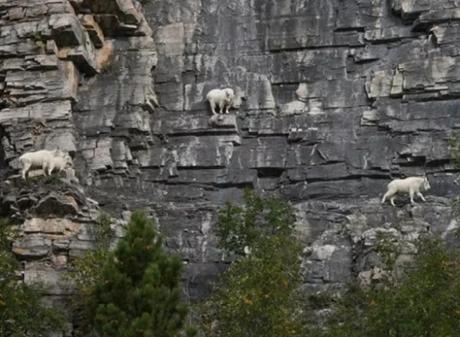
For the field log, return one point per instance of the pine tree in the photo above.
(139, 290)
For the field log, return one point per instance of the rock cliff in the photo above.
(333, 99)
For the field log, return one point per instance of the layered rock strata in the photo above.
(50, 53)
(334, 99)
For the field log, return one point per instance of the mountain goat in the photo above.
(222, 98)
(411, 185)
(48, 160)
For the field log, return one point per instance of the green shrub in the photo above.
(249, 225)
(86, 273)
(21, 312)
(425, 303)
(388, 249)
(257, 295)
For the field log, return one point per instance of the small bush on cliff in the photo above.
(425, 303)
(454, 147)
(21, 312)
(86, 273)
(138, 292)
(257, 295)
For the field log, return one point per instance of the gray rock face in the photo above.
(52, 218)
(50, 53)
(333, 100)
(338, 98)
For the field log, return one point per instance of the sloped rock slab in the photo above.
(44, 196)
(58, 205)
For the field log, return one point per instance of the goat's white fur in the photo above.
(48, 160)
(222, 98)
(411, 185)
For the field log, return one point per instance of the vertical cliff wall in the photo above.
(334, 99)
(52, 55)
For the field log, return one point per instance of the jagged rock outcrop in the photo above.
(50, 53)
(53, 221)
(333, 99)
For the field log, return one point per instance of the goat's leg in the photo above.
(213, 106)
(45, 169)
(392, 200)
(420, 195)
(411, 194)
(25, 171)
(386, 195)
(50, 169)
(227, 108)
(221, 107)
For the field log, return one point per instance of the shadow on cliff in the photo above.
(40, 196)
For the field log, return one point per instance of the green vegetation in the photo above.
(134, 290)
(54, 180)
(102, 232)
(388, 248)
(86, 273)
(425, 303)
(259, 219)
(21, 312)
(257, 295)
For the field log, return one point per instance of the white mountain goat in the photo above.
(222, 98)
(411, 185)
(48, 160)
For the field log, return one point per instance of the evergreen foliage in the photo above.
(257, 295)
(21, 311)
(138, 293)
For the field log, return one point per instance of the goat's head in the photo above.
(426, 184)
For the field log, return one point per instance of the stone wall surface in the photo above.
(334, 99)
(52, 53)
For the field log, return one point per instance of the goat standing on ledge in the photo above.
(48, 160)
(411, 185)
(221, 98)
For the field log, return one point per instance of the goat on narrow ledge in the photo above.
(48, 160)
(411, 185)
(222, 98)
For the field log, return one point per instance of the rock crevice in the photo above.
(333, 99)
